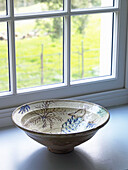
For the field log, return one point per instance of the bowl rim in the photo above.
(62, 135)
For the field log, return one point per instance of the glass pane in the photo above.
(77, 4)
(91, 43)
(4, 76)
(27, 6)
(2, 7)
(39, 52)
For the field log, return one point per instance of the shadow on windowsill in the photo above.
(43, 159)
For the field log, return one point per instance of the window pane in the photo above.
(39, 52)
(76, 4)
(91, 44)
(26, 6)
(2, 7)
(4, 76)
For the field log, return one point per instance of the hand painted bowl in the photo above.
(60, 124)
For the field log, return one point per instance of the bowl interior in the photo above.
(60, 117)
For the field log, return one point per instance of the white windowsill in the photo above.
(106, 150)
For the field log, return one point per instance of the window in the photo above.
(60, 48)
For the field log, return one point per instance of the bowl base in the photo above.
(60, 151)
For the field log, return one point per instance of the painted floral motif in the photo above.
(74, 122)
(24, 108)
(46, 116)
(90, 125)
(101, 112)
(71, 124)
(44, 105)
(78, 113)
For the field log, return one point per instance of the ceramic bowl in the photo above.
(60, 124)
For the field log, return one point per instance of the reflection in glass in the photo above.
(30, 6)
(91, 44)
(77, 4)
(4, 75)
(39, 52)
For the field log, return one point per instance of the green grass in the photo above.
(29, 66)
(91, 46)
(28, 52)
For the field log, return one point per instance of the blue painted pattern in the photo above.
(71, 124)
(24, 108)
(101, 112)
(90, 125)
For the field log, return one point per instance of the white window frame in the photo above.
(67, 89)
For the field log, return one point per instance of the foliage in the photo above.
(54, 29)
(2, 5)
(81, 20)
(28, 52)
(96, 2)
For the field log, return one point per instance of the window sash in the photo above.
(67, 89)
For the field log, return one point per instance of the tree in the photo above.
(96, 2)
(81, 20)
(2, 5)
(54, 28)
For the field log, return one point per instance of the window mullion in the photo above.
(67, 36)
(40, 15)
(94, 11)
(117, 3)
(11, 37)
